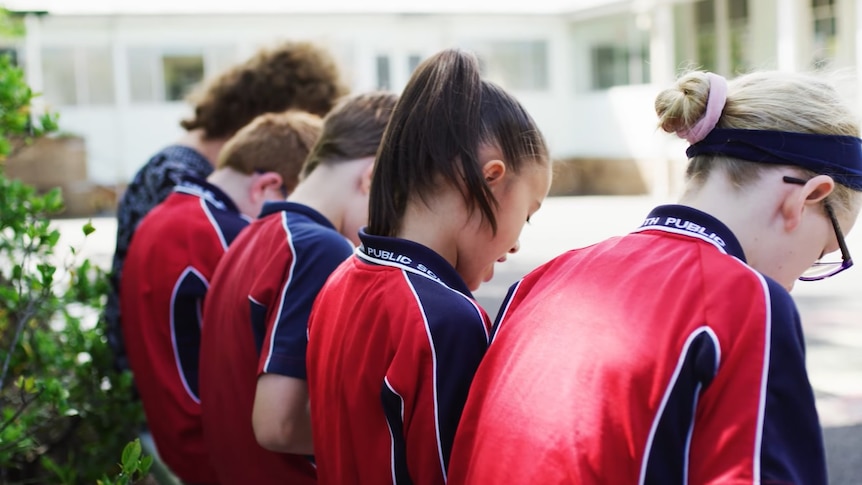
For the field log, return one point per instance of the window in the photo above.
(59, 79)
(825, 32)
(384, 78)
(99, 73)
(614, 65)
(520, 65)
(158, 74)
(707, 40)
(181, 74)
(81, 75)
(142, 75)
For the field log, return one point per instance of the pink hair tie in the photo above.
(714, 106)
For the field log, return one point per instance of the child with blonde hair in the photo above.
(675, 354)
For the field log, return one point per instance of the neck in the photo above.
(326, 191)
(436, 224)
(208, 147)
(750, 213)
(236, 185)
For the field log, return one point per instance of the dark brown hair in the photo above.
(352, 130)
(291, 75)
(273, 142)
(445, 114)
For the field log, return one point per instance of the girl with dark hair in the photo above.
(395, 335)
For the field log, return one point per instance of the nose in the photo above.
(515, 248)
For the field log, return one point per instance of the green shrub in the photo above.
(65, 414)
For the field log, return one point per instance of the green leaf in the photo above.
(88, 228)
(131, 455)
(146, 463)
(29, 385)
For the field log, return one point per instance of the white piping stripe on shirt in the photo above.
(176, 349)
(681, 232)
(382, 262)
(434, 374)
(392, 433)
(764, 379)
(289, 237)
(215, 225)
(669, 389)
(686, 459)
(505, 309)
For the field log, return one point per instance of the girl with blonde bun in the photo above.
(675, 354)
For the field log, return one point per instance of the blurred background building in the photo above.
(588, 70)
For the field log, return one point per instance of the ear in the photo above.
(261, 185)
(805, 197)
(493, 171)
(365, 177)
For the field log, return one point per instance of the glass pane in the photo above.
(517, 64)
(383, 72)
(99, 75)
(738, 9)
(706, 48)
(142, 74)
(181, 74)
(58, 71)
(612, 67)
(705, 12)
(824, 28)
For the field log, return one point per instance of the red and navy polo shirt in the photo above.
(168, 269)
(659, 357)
(394, 339)
(255, 321)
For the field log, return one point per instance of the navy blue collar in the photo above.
(680, 219)
(285, 206)
(207, 191)
(411, 256)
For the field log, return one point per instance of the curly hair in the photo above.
(291, 75)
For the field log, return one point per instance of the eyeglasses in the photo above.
(821, 269)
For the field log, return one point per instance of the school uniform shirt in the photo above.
(255, 322)
(168, 269)
(394, 339)
(659, 357)
(153, 183)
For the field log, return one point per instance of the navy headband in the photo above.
(838, 156)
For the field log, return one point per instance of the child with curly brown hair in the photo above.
(291, 75)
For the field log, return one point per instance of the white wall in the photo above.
(120, 138)
(121, 141)
(576, 119)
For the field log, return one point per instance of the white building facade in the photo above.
(587, 70)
